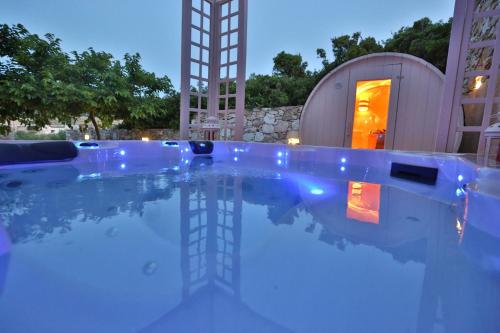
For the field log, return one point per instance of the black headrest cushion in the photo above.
(20, 153)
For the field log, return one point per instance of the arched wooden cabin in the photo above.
(382, 100)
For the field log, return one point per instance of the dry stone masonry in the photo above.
(272, 125)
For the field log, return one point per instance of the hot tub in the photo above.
(151, 237)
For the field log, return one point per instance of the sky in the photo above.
(153, 27)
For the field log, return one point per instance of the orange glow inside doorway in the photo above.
(363, 202)
(370, 114)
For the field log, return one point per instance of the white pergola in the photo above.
(213, 69)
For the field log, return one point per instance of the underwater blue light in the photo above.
(317, 191)
(280, 154)
(123, 166)
(122, 152)
(460, 178)
(236, 150)
(236, 159)
(342, 168)
(186, 162)
(343, 160)
(460, 192)
(186, 150)
(280, 162)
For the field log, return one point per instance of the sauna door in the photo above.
(372, 107)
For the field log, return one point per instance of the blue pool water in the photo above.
(209, 245)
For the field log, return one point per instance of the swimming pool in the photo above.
(149, 237)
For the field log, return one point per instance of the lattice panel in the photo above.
(213, 66)
(201, 15)
(477, 90)
(228, 65)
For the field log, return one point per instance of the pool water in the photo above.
(214, 246)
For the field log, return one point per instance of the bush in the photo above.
(21, 135)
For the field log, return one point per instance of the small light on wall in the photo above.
(293, 141)
(478, 82)
(122, 152)
(86, 137)
(146, 139)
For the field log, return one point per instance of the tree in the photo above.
(424, 39)
(99, 88)
(265, 91)
(289, 84)
(40, 83)
(286, 64)
(346, 48)
(153, 97)
(107, 90)
(168, 117)
(32, 79)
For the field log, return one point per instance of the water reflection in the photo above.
(363, 202)
(345, 215)
(49, 202)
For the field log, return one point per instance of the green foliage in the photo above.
(22, 135)
(290, 83)
(286, 64)
(32, 88)
(424, 39)
(167, 118)
(40, 83)
(265, 91)
(348, 47)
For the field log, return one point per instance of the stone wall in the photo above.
(272, 124)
